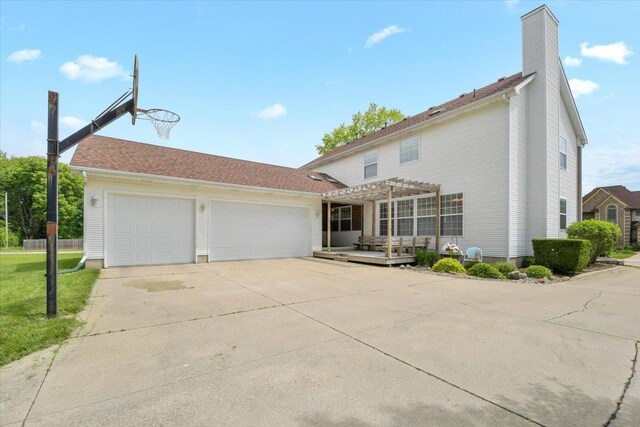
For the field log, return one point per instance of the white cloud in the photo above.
(614, 52)
(582, 87)
(72, 123)
(24, 55)
(383, 34)
(273, 112)
(511, 3)
(36, 126)
(570, 61)
(92, 69)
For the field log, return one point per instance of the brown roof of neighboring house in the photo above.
(101, 152)
(461, 101)
(631, 198)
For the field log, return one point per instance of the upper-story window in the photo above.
(409, 150)
(612, 214)
(563, 214)
(563, 153)
(371, 164)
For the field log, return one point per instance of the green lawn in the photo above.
(621, 254)
(24, 327)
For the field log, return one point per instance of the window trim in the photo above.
(607, 212)
(364, 163)
(340, 219)
(561, 153)
(418, 140)
(415, 215)
(566, 209)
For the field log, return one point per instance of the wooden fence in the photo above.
(41, 244)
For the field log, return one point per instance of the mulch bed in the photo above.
(556, 278)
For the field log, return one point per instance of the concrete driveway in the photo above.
(312, 342)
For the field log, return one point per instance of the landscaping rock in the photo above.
(516, 275)
(402, 267)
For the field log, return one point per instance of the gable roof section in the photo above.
(620, 192)
(501, 85)
(111, 154)
(570, 105)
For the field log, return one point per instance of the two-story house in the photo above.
(506, 159)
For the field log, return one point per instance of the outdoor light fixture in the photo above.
(94, 201)
(203, 207)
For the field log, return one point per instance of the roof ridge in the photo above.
(190, 151)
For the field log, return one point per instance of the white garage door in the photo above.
(254, 231)
(149, 230)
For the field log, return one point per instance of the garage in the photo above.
(256, 231)
(144, 230)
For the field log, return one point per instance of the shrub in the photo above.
(427, 258)
(486, 271)
(601, 234)
(527, 261)
(13, 239)
(562, 255)
(538, 272)
(505, 267)
(470, 264)
(449, 265)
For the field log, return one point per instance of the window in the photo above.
(426, 216)
(612, 214)
(563, 214)
(370, 164)
(409, 150)
(563, 153)
(341, 219)
(384, 217)
(405, 217)
(451, 215)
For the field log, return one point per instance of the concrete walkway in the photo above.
(633, 261)
(313, 342)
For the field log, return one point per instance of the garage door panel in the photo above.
(258, 231)
(149, 230)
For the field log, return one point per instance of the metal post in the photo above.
(52, 205)
(329, 226)
(6, 219)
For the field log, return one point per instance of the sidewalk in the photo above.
(633, 261)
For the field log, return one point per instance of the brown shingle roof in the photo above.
(101, 152)
(631, 198)
(461, 101)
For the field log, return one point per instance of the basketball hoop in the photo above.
(163, 120)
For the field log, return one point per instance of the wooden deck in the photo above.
(366, 257)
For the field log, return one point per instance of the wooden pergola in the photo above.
(385, 189)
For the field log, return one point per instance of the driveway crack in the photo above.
(46, 374)
(627, 384)
(580, 310)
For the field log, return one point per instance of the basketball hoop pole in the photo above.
(54, 149)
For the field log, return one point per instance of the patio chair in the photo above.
(472, 255)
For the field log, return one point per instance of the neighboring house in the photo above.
(507, 158)
(616, 204)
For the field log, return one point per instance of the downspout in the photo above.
(579, 184)
(504, 97)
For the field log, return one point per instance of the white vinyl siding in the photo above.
(410, 150)
(467, 154)
(371, 164)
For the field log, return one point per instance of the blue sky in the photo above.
(264, 81)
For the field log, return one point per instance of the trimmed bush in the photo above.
(427, 258)
(449, 265)
(527, 261)
(505, 267)
(486, 271)
(562, 255)
(538, 272)
(601, 234)
(470, 264)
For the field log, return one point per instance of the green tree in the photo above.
(362, 124)
(25, 180)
